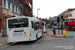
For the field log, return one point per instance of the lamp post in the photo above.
(37, 12)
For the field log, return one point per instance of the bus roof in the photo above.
(31, 18)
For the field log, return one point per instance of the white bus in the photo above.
(23, 29)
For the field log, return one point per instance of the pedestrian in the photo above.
(54, 32)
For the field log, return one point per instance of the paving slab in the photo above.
(50, 32)
(3, 40)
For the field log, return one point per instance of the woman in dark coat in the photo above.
(54, 31)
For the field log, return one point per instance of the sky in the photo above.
(51, 8)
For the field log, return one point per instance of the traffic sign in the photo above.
(54, 19)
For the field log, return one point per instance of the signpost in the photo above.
(58, 20)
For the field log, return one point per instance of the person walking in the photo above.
(54, 32)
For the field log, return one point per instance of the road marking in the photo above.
(73, 37)
(8, 45)
(59, 38)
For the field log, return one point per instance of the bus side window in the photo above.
(36, 26)
(32, 24)
(41, 25)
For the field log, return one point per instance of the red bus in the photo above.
(70, 24)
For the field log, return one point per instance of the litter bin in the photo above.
(4, 32)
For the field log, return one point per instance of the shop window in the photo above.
(16, 9)
(13, 7)
(8, 5)
(19, 10)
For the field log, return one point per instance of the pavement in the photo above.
(3, 40)
(58, 35)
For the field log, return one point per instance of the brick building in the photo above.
(27, 7)
(66, 13)
(18, 8)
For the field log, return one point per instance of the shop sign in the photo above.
(9, 13)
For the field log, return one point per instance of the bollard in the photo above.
(64, 32)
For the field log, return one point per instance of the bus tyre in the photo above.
(74, 29)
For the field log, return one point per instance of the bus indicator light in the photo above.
(25, 34)
(27, 25)
(7, 36)
(30, 34)
(21, 25)
(29, 38)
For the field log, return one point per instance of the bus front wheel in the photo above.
(74, 29)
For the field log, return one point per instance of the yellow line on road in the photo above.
(8, 44)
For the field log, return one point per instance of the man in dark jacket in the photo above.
(54, 31)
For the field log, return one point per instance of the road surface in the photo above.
(71, 33)
(46, 42)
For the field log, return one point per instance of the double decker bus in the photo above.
(70, 24)
(23, 29)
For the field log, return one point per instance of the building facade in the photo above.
(17, 8)
(66, 14)
(27, 7)
(69, 13)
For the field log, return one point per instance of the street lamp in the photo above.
(37, 12)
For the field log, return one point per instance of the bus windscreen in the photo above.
(16, 23)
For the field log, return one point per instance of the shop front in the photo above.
(3, 17)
